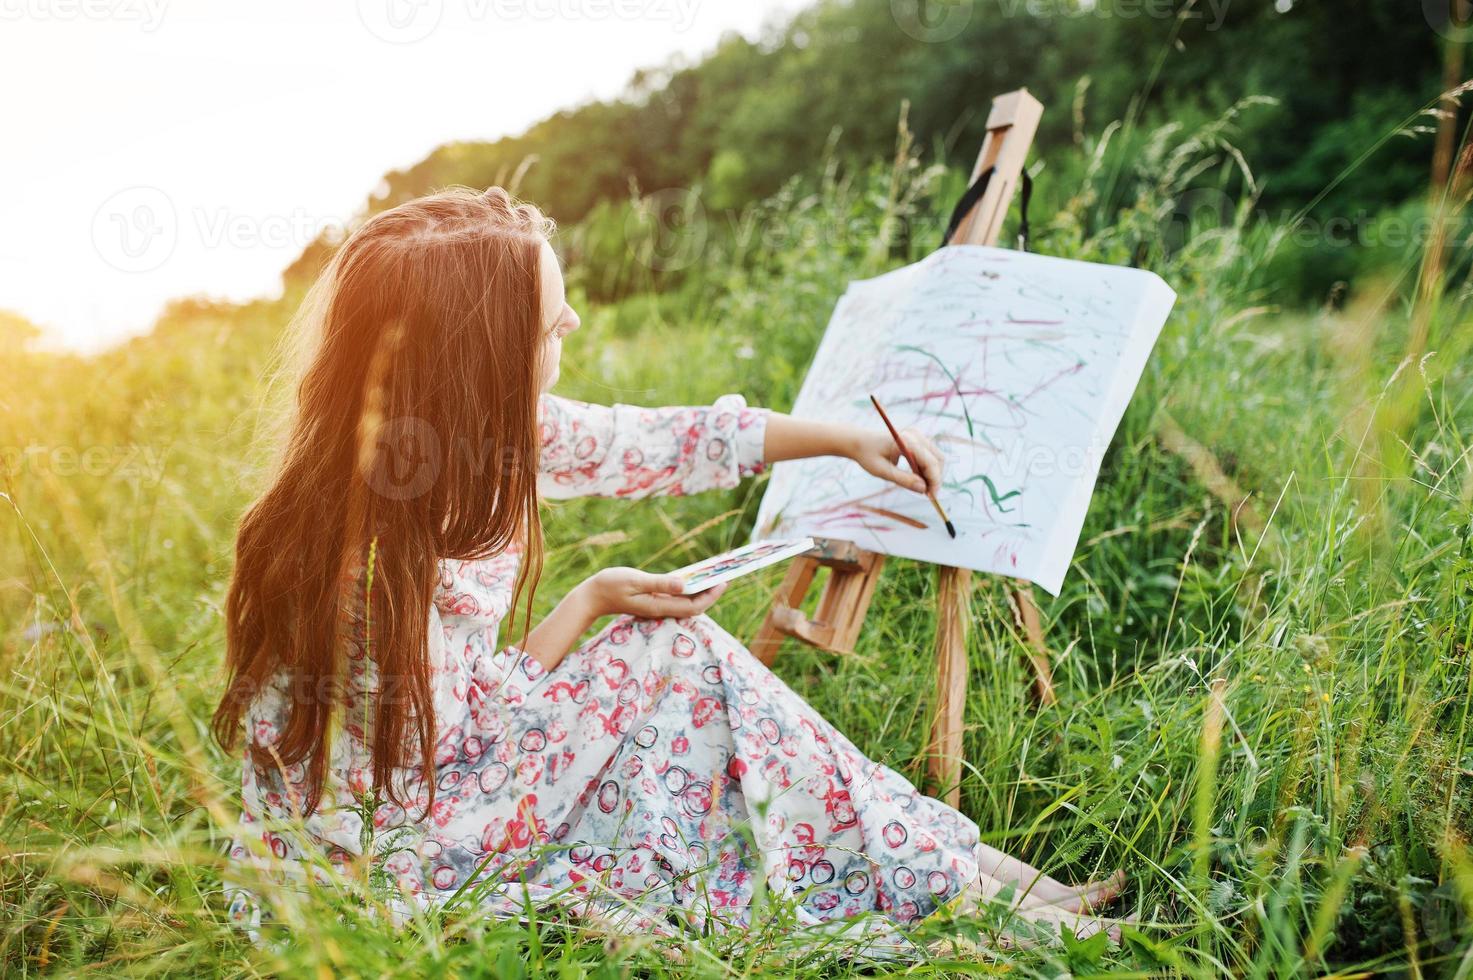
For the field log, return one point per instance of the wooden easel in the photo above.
(854, 572)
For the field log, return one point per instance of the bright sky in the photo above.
(162, 148)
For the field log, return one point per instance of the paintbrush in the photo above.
(914, 466)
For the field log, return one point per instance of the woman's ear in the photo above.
(550, 279)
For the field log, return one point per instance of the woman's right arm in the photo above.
(633, 451)
(611, 592)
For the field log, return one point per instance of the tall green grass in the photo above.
(1263, 709)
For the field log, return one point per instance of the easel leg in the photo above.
(789, 596)
(1030, 625)
(953, 612)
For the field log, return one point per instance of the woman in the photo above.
(649, 777)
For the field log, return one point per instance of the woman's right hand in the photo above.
(619, 590)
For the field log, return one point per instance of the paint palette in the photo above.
(728, 565)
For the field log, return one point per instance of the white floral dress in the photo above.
(655, 778)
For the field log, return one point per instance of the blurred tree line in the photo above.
(830, 82)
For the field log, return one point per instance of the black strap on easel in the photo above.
(1024, 197)
(973, 194)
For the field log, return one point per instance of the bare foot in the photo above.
(1083, 899)
(1036, 888)
(1034, 921)
(1095, 895)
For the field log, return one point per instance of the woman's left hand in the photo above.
(875, 450)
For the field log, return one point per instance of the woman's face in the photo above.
(558, 318)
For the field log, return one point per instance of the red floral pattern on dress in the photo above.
(615, 782)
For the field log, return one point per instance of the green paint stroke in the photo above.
(954, 385)
(997, 498)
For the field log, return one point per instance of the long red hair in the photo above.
(415, 437)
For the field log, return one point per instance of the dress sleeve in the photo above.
(471, 669)
(630, 451)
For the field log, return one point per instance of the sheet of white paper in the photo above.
(1018, 365)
